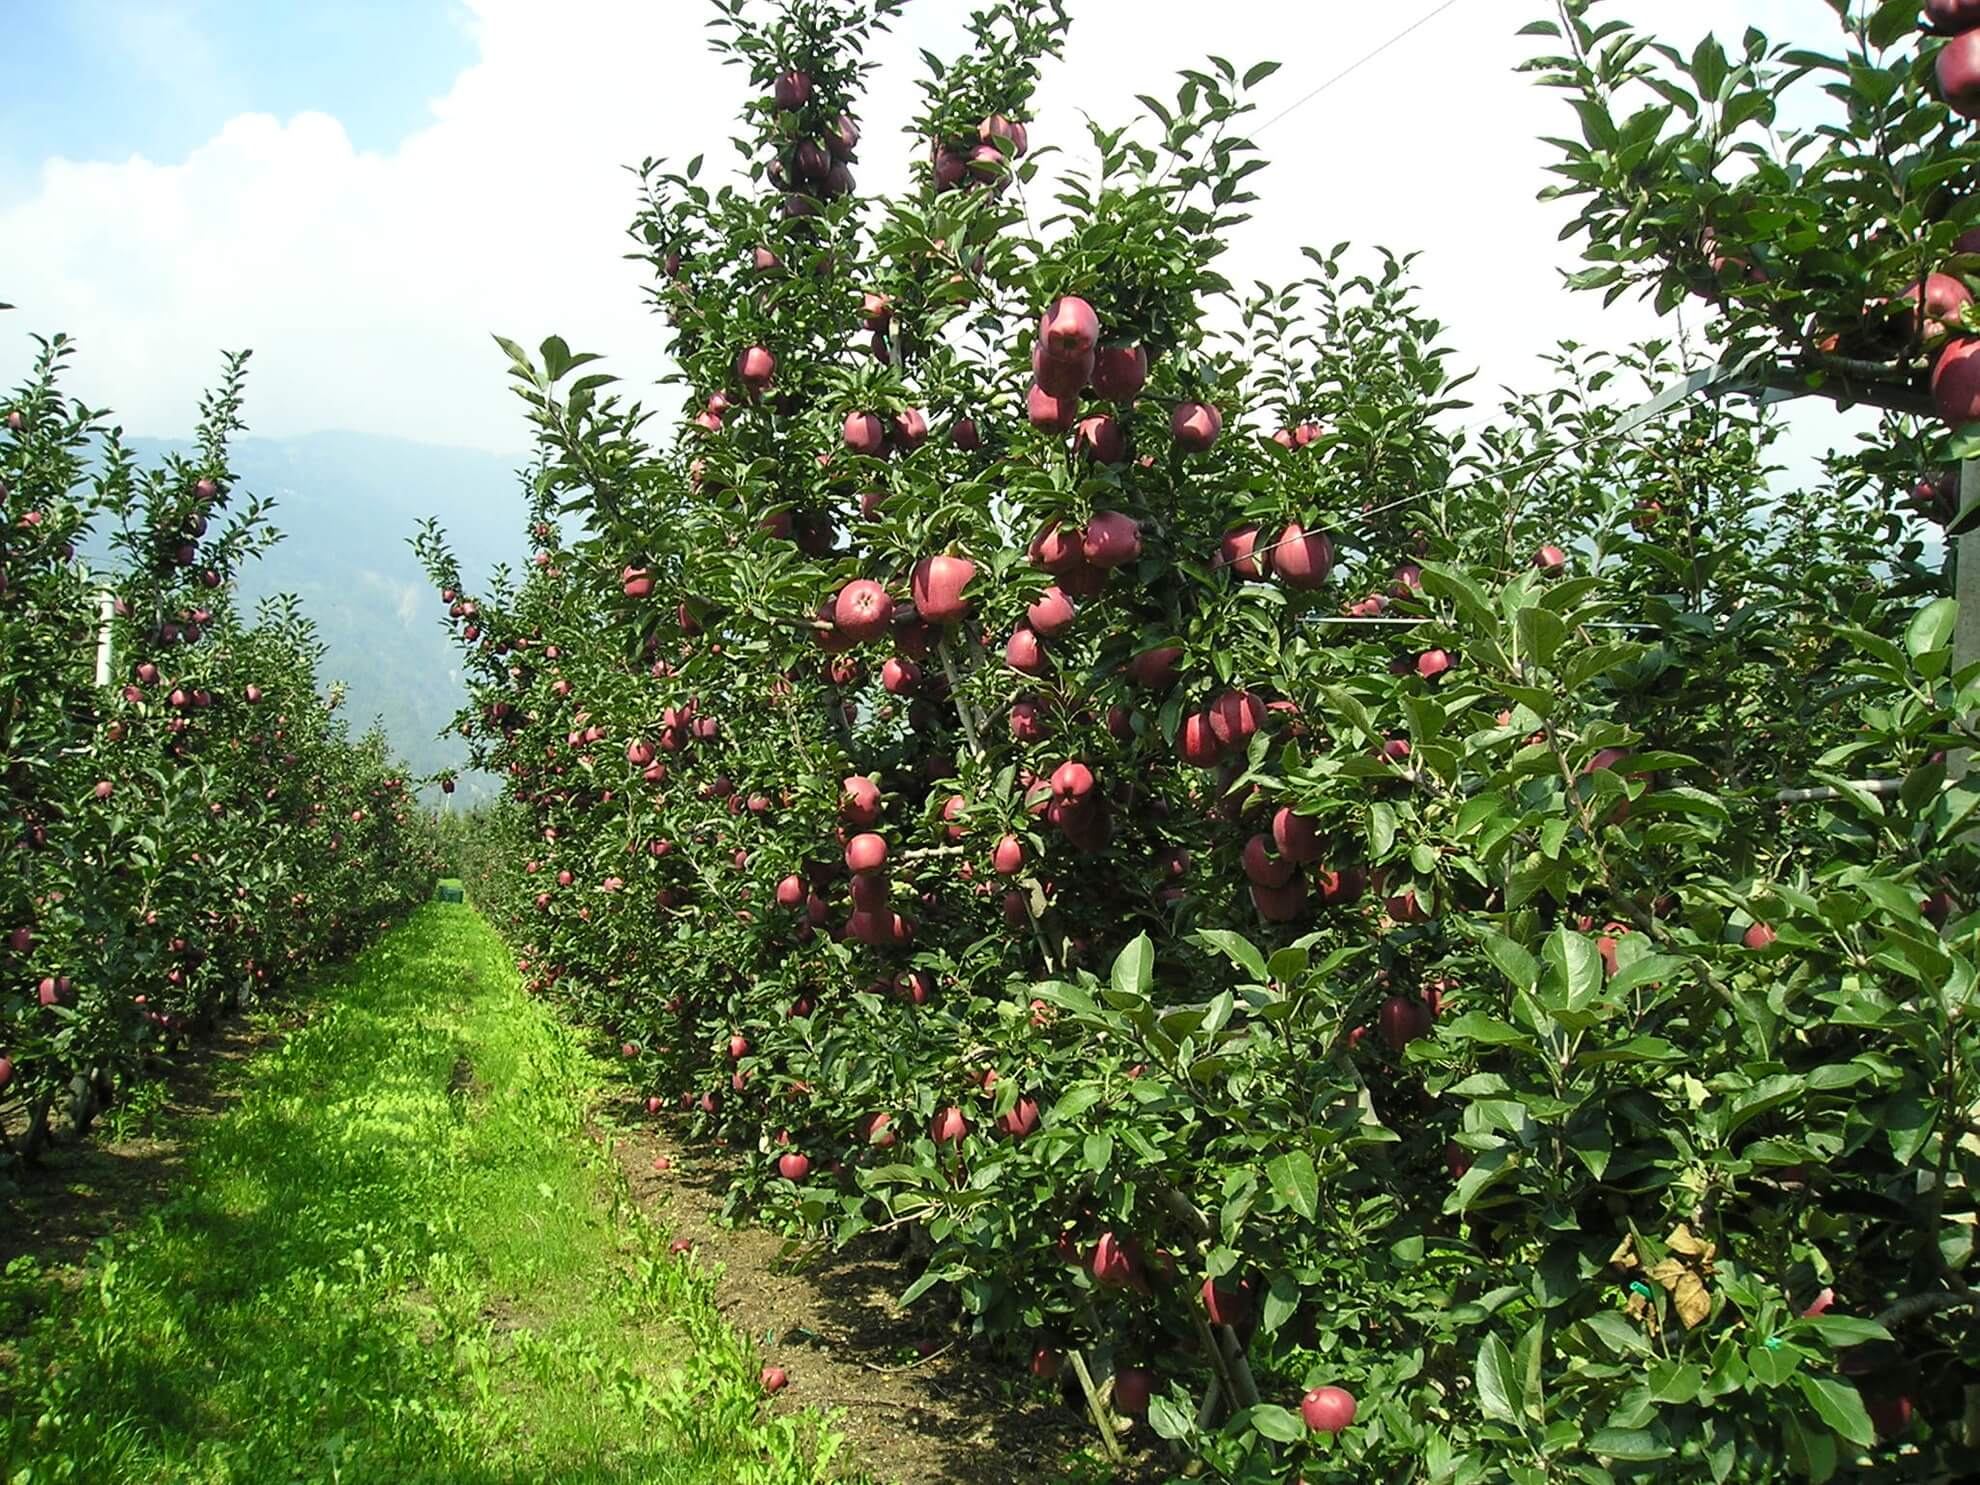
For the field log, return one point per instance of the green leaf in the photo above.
(1512, 959)
(1580, 963)
(1234, 947)
(1840, 1406)
(1281, 1299)
(1381, 830)
(1282, 1425)
(1134, 967)
(1167, 1419)
(1294, 1182)
(1498, 1385)
(1097, 1151)
(1540, 634)
(1616, 1331)
(1628, 1443)
(1931, 627)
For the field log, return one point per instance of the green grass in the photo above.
(396, 1259)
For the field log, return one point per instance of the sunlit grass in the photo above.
(396, 1259)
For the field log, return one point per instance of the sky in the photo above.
(364, 193)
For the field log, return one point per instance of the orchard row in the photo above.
(1284, 905)
(188, 824)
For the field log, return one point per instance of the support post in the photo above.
(106, 613)
(1964, 553)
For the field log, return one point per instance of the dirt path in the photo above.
(921, 1405)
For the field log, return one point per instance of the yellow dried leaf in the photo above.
(1694, 1303)
(1625, 1255)
(1683, 1242)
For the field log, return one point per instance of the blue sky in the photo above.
(107, 79)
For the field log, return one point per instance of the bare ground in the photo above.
(920, 1404)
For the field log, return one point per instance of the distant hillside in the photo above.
(346, 503)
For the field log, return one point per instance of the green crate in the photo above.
(450, 894)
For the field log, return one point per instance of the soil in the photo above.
(82, 1191)
(919, 1404)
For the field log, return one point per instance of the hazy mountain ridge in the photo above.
(346, 505)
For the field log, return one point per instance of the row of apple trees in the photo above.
(200, 828)
(1367, 942)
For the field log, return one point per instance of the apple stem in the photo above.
(1096, 1405)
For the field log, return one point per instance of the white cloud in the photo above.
(368, 284)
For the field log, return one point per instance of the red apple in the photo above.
(1327, 1409)
(1195, 426)
(1155, 669)
(1281, 904)
(1956, 374)
(1402, 1020)
(1009, 132)
(1100, 436)
(1045, 1363)
(1021, 1120)
(1119, 372)
(634, 582)
(938, 585)
(773, 1379)
(1337, 885)
(1024, 653)
(1302, 559)
(948, 1126)
(792, 90)
(1296, 836)
(859, 800)
(865, 434)
(1112, 539)
(755, 368)
(1433, 663)
(910, 430)
(1239, 552)
(1197, 742)
(1069, 330)
(863, 610)
(1226, 1303)
(1051, 413)
(899, 677)
(1758, 936)
(1028, 723)
(1958, 69)
(1072, 781)
(1944, 296)
(1235, 716)
(1263, 867)
(1133, 1387)
(1111, 1263)
(1052, 614)
(793, 1167)
(1953, 15)
(1058, 549)
(866, 853)
(1550, 559)
(1008, 857)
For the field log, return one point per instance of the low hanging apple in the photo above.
(1327, 1409)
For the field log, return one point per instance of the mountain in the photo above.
(346, 505)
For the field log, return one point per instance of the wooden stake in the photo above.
(1103, 1419)
(1963, 553)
